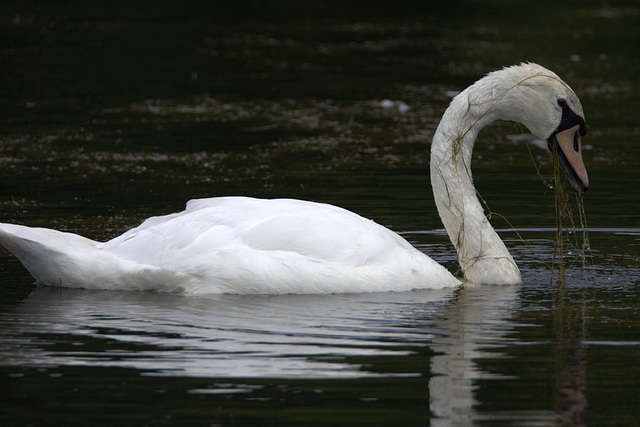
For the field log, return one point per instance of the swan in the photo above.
(253, 246)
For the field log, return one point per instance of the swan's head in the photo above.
(540, 100)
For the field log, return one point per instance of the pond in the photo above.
(112, 113)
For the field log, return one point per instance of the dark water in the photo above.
(115, 111)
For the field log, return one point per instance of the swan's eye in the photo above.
(576, 142)
(562, 102)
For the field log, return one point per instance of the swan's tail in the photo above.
(49, 255)
(57, 258)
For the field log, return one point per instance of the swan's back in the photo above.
(319, 231)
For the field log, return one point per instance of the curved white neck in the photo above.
(482, 255)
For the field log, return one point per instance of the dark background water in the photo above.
(114, 111)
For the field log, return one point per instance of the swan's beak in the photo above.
(570, 152)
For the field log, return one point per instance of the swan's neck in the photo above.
(483, 257)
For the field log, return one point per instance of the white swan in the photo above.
(244, 245)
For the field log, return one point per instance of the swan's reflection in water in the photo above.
(293, 336)
(475, 325)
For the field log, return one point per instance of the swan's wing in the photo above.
(209, 226)
(244, 245)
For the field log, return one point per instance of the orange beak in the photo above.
(570, 144)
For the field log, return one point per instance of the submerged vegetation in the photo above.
(571, 240)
